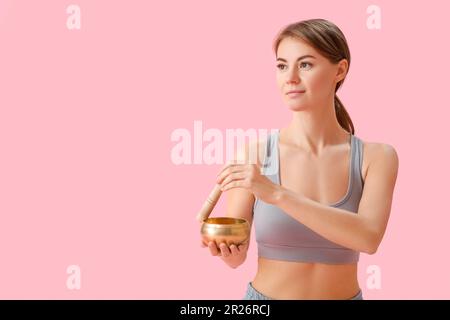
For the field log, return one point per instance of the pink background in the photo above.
(86, 116)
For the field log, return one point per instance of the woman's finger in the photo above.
(242, 246)
(226, 165)
(224, 249)
(235, 184)
(234, 250)
(227, 171)
(234, 176)
(213, 248)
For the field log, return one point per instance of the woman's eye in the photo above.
(306, 63)
(282, 66)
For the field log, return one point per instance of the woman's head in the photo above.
(313, 56)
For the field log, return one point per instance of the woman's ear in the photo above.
(342, 68)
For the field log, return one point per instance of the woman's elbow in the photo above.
(371, 250)
(372, 245)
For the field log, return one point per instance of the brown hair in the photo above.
(329, 40)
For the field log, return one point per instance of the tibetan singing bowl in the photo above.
(225, 229)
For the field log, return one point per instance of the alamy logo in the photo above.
(74, 19)
(73, 281)
(374, 20)
(374, 278)
(213, 147)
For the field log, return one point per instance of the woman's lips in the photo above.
(295, 94)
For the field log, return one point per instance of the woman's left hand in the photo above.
(248, 176)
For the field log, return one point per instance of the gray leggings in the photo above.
(253, 294)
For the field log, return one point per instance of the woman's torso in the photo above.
(325, 180)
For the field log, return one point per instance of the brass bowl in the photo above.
(225, 229)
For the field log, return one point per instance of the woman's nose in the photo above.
(293, 77)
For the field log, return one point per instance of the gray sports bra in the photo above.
(281, 237)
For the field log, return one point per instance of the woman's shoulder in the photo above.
(378, 151)
(377, 147)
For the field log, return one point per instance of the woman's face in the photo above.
(301, 67)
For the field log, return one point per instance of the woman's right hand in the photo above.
(232, 255)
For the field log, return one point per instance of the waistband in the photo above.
(253, 294)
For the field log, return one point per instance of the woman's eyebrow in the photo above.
(298, 59)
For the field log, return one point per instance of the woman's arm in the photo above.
(240, 203)
(362, 231)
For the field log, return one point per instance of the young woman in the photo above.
(321, 195)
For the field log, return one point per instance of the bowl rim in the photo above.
(241, 222)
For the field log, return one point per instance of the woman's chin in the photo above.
(297, 107)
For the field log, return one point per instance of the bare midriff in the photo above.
(288, 280)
